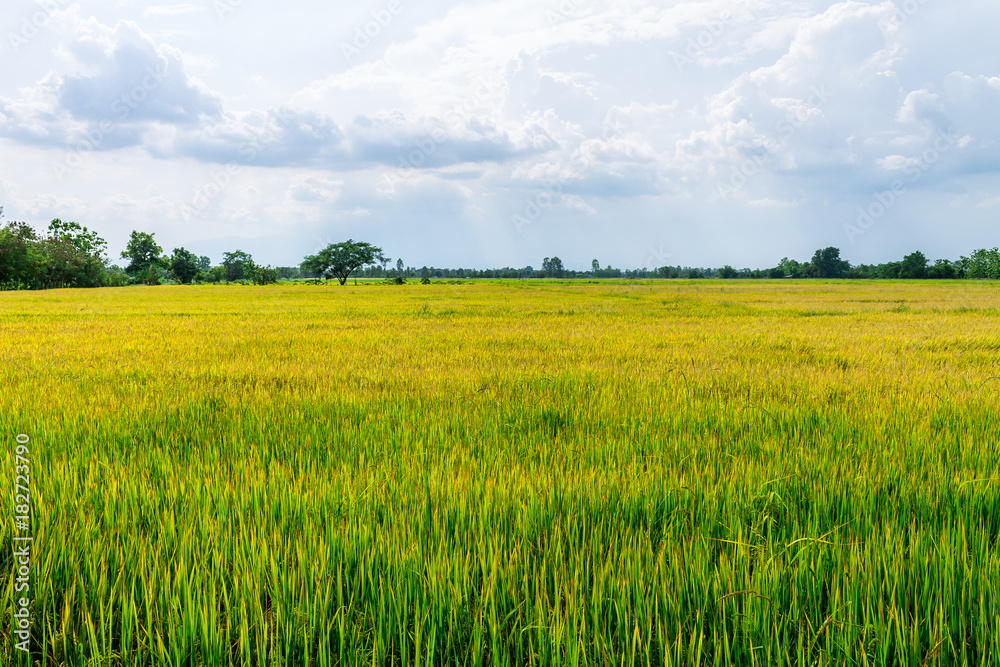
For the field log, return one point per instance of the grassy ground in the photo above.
(680, 473)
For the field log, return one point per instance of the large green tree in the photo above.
(21, 263)
(75, 256)
(914, 266)
(238, 265)
(68, 256)
(982, 264)
(553, 267)
(728, 272)
(143, 254)
(340, 260)
(81, 238)
(184, 265)
(828, 264)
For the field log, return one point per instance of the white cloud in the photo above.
(456, 115)
(171, 10)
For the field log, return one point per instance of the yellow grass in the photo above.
(681, 473)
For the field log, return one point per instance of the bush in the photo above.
(152, 275)
(116, 277)
(263, 275)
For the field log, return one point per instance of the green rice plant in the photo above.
(498, 474)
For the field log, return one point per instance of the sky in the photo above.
(490, 134)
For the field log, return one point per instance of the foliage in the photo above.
(84, 240)
(152, 275)
(116, 277)
(553, 267)
(216, 274)
(144, 256)
(340, 260)
(184, 265)
(826, 263)
(728, 272)
(67, 256)
(263, 275)
(983, 264)
(914, 266)
(237, 266)
(943, 270)
(289, 273)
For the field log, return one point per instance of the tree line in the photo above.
(68, 254)
(825, 263)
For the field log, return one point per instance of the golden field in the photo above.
(522, 473)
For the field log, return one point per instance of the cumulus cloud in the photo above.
(613, 114)
(171, 10)
(115, 83)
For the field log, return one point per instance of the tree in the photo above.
(263, 275)
(982, 264)
(828, 264)
(143, 255)
(728, 272)
(288, 273)
(890, 270)
(425, 276)
(237, 265)
(216, 274)
(68, 256)
(340, 260)
(73, 255)
(81, 238)
(204, 264)
(20, 265)
(184, 265)
(399, 267)
(914, 266)
(552, 267)
(595, 267)
(792, 268)
(942, 270)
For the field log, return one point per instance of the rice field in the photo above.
(697, 473)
